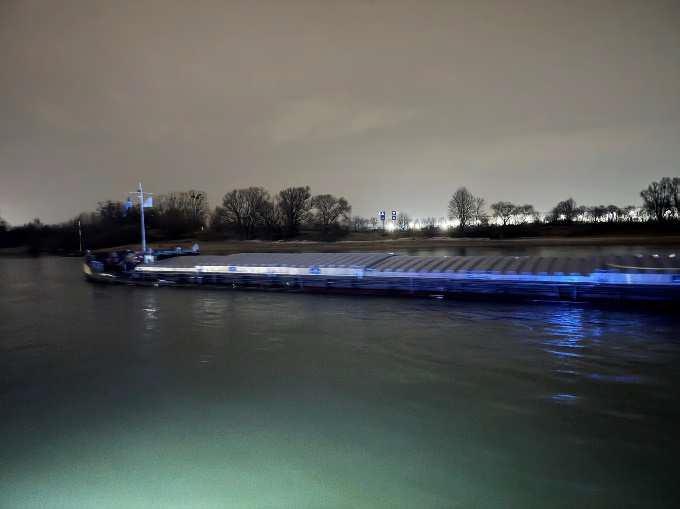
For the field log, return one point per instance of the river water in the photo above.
(141, 397)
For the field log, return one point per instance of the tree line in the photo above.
(247, 213)
(255, 213)
(660, 203)
(173, 215)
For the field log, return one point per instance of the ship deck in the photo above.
(630, 277)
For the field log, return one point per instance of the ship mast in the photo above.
(142, 204)
(141, 215)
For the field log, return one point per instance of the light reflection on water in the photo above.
(150, 310)
(114, 396)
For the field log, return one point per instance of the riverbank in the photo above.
(14, 251)
(410, 244)
(224, 247)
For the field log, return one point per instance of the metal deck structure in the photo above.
(653, 278)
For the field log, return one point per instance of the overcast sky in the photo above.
(393, 104)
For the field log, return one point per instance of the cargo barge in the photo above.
(634, 278)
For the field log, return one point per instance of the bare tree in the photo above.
(359, 224)
(658, 198)
(628, 213)
(217, 220)
(524, 213)
(195, 205)
(271, 217)
(373, 221)
(294, 203)
(429, 227)
(167, 202)
(479, 213)
(429, 221)
(327, 210)
(403, 222)
(462, 206)
(613, 213)
(234, 211)
(247, 210)
(180, 212)
(597, 213)
(504, 210)
(675, 194)
(565, 211)
(111, 212)
(257, 207)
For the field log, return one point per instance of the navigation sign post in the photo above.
(394, 216)
(382, 218)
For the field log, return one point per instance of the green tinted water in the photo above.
(136, 397)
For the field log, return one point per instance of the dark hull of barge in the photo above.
(628, 279)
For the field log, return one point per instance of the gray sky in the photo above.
(392, 104)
